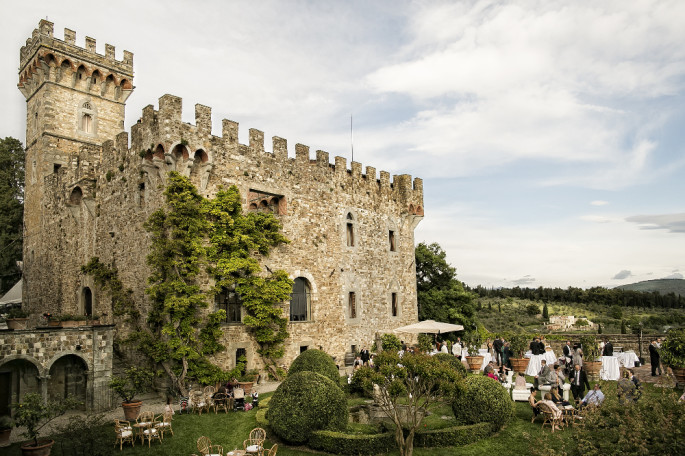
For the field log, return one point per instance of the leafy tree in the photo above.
(532, 309)
(624, 330)
(407, 387)
(11, 210)
(441, 296)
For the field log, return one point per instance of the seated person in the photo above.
(626, 389)
(636, 382)
(557, 394)
(556, 413)
(559, 370)
(358, 362)
(520, 382)
(594, 397)
(533, 403)
(546, 376)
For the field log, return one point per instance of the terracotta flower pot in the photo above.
(131, 409)
(5, 437)
(17, 323)
(679, 374)
(474, 362)
(54, 323)
(592, 368)
(247, 386)
(519, 364)
(69, 324)
(43, 449)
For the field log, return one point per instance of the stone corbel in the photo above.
(204, 175)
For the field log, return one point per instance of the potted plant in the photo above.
(473, 342)
(591, 355)
(34, 414)
(6, 425)
(71, 321)
(51, 319)
(93, 320)
(673, 353)
(17, 318)
(518, 344)
(247, 380)
(136, 380)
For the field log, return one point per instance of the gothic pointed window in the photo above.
(87, 121)
(300, 300)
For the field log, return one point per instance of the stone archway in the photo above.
(69, 377)
(17, 377)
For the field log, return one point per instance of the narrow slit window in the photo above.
(391, 239)
(352, 304)
(393, 304)
(350, 230)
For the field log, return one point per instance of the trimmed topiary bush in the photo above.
(452, 436)
(483, 399)
(313, 360)
(452, 361)
(306, 402)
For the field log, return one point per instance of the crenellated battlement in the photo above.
(52, 59)
(164, 129)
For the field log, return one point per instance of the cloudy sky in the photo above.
(550, 134)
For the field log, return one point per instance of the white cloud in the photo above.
(675, 275)
(624, 274)
(599, 203)
(674, 223)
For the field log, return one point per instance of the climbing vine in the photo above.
(107, 278)
(189, 236)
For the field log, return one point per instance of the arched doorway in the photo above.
(68, 377)
(17, 377)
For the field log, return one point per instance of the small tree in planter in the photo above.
(673, 353)
(473, 342)
(518, 344)
(591, 355)
(136, 380)
(34, 414)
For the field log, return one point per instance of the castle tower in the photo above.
(75, 101)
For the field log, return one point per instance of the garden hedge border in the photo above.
(364, 444)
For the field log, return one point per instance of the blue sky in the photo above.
(549, 134)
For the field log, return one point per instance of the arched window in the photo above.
(87, 118)
(350, 230)
(229, 301)
(300, 300)
(76, 196)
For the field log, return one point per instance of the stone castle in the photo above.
(90, 187)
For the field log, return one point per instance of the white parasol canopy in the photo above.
(429, 326)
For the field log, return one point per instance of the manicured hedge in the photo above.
(483, 399)
(452, 361)
(306, 402)
(260, 416)
(452, 436)
(361, 444)
(313, 360)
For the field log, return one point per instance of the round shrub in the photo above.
(452, 361)
(313, 360)
(306, 402)
(483, 399)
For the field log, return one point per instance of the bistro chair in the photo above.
(151, 433)
(163, 423)
(554, 422)
(220, 402)
(144, 421)
(124, 433)
(199, 401)
(254, 444)
(205, 447)
(273, 450)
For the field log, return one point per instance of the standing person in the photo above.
(507, 354)
(578, 382)
(497, 345)
(608, 349)
(365, 356)
(577, 356)
(443, 348)
(654, 358)
(456, 349)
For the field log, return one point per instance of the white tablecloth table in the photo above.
(487, 357)
(627, 359)
(534, 365)
(550, 358)
(610, 368)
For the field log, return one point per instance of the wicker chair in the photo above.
(151, 433)
(205, 447)
(163, 423)
(199, 401)
(254, 444)
(555, 421)
(273, 450)
(220, 402)
(143, 422)
(124, 433)
(208, 390)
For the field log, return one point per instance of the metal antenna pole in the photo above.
(351, 137)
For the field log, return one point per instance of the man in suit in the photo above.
(365, 356)
(497, 346)
(545, 375)
(579, 381)
(654, 358)
(608, 349)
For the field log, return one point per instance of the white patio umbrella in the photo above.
(429, 326)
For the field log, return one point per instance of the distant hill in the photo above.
(663, 286)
